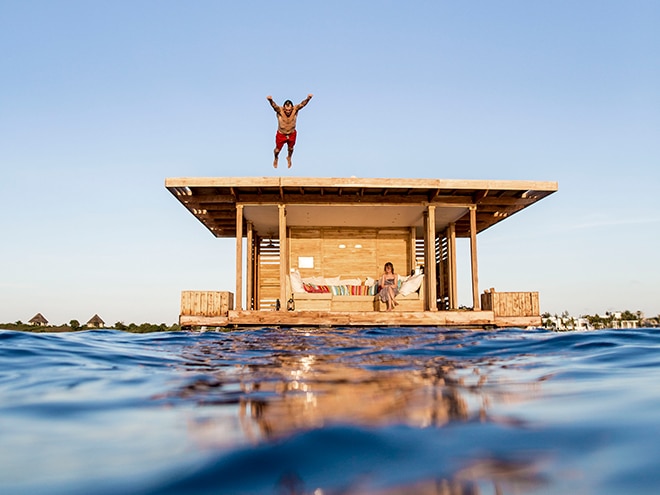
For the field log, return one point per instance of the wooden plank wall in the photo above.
(268, 273)
(376, 247)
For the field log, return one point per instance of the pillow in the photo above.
(360, 290)
(332, 281)
(371, 290)
(351, 281)
(369, 281)
(411, 284)
(336, 290)
(314, 280)
(316, 288)
(296, 281)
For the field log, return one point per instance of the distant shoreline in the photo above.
(131, 327)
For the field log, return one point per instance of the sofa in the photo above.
(337, 294)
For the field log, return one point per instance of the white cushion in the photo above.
(314, 280)
(296, 282)
(411, 284)
(351, 281)
(369, 281)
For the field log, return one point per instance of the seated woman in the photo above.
(389, 286)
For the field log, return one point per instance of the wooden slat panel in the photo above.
(393, 246)
(354, 303)
(268, 274)
(306, 242)
(511, 303)
(206, 303)
(377, 247)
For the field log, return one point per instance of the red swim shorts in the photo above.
(282, 139)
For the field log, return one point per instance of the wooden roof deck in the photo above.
(213, 200)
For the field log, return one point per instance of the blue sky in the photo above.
(100, 101)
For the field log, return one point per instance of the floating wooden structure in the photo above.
(336, 234)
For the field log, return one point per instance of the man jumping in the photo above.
(286, 126)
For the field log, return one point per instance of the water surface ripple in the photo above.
(330, 411)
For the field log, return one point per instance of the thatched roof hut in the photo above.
(38, 320)
(96, 322)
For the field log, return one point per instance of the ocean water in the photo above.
(330, 411)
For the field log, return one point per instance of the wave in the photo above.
(320, 410)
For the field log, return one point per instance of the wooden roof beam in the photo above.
(479, 196)
(311, 199)
(224, 223)
(211, 199)
(535, 195)
(506, 201)
(181, 191)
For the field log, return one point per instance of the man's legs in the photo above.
(288, 157)
(291, 142)
(280, 140)
(276, 152)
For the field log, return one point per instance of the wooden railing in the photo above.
(206, 303)
(511, 303)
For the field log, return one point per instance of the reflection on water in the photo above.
(299, 380)
(330, 378)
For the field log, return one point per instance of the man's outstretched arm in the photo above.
(304, 102)
(272, 103)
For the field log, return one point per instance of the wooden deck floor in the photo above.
(458, 319)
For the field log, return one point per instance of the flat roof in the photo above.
(352, 202)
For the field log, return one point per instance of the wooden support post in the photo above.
(238, 300)
(249, 301)
(430, 261)
(451, 247)
(411, 251)
(284, 255)
(476, 302)
(427, 303)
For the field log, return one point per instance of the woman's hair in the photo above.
(389, 263)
